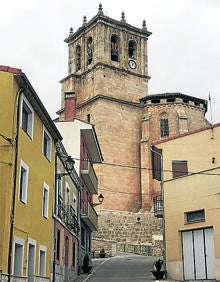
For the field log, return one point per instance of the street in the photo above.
(123, 267)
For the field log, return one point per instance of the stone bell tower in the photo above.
(108, 71)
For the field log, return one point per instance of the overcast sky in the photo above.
(183, 50)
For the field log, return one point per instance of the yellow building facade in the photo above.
(191, 193)
(27, 162)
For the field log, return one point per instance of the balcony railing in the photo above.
(158, 206)
(89, 215)
(67, 214)
(89, 177)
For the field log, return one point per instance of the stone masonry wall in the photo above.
(132, 232)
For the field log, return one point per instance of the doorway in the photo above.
(66, 259)
(198, 254)
(31, 262)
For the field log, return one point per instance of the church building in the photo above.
(107, 81)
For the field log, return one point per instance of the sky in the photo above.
(183, 50)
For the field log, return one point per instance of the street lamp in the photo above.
(101, 199)
(69, 162)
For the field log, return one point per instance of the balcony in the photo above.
(89, 216)
(89, 177)
(67, 214)
(158, 206)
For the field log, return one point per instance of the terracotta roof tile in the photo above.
(185, 134)
(10, 70)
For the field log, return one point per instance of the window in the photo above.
(83, 237)
(78, 58)
(156, 157)
(67, 195)
(47, 144)
(115, 48)
(42, 261)
(45, 200)
(164, 127)
(179, 168)
(66, 258)
(58, 245)
(18, 256)
(89, 118)
(23, 182)
(59, 200)
(89, 242)
(74, 254)
(195, 216)
(27, 117)
(89, 51)
(132, 49)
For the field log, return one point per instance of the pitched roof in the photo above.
(185, 134)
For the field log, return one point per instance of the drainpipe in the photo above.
(14, 188)
(163, 220)
(79, 234)
(54, 228)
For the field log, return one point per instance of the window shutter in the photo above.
(179, 168)
(156, 163)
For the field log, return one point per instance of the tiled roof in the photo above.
(185, 134)
(9, 69)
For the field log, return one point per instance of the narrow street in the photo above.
(123, 267)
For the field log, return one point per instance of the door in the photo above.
(198, 254)
(210, 253)
(31, 262)
(66, 259)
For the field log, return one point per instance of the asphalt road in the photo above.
(121, 268)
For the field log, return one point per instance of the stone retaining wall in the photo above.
(139, 233)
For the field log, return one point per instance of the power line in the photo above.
(122, 192)
(203, 172)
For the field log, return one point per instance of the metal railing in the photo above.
(158, 206)
(67, 214)
(89, 215)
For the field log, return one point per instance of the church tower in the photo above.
(108, 75)
(107, 86)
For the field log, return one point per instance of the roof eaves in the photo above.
(185, 134)
(105, 19)
(24, 81)
(10, 70)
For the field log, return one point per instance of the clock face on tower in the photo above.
(132, 64)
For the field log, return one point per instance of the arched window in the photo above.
(132, 48)
(164, 125)
(78, 58)
(114, 48)
(89, 50)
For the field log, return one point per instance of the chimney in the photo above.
(70, 105)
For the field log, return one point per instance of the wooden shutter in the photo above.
(179, 168)
(156, 155)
